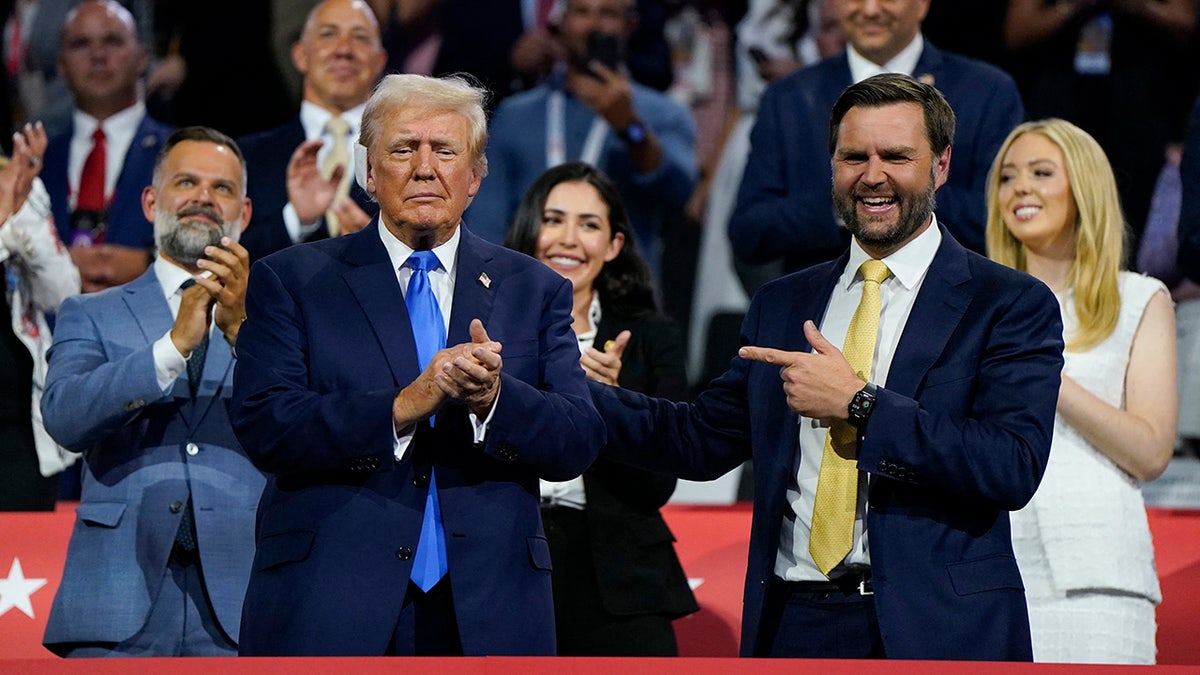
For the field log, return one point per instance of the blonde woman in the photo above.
(1083, 542)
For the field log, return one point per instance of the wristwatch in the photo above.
(861, 406)
(633, 134)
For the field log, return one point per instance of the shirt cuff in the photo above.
(402, 441)
(169, 364)
(482, 427)
(297, 230)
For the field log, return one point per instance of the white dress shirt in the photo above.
(897, 295)
(441, 281)
(169, 364)
(119, 131)
(904, 63)
(313, 118)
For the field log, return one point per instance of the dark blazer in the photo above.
(784, 209)
(632, 548)
(325, 349)
(127, 225)
(960, 435)
(267, 156)
(145, 453)
(1189, 209)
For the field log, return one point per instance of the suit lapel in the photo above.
(475, 283)
(375, 286)
(937, 311)
(929, 65)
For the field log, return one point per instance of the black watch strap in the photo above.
(862, 405)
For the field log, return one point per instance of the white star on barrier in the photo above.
(16, 589)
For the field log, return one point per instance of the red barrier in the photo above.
(712, 546)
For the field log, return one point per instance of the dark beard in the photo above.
(915, 209)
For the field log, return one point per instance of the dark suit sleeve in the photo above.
(551, 425)
(697, 441)
(92, 388)
(285, 426)
(1189, 212)
(961, 202)
(783, 207)
(653, 364)
(997, 453)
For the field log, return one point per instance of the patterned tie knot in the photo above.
(426, 261)
(337, 127)
(875, 270)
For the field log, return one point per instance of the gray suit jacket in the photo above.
(145, 453)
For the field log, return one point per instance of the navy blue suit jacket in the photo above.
(267, 156)
(784, 209)
(959, 437)
(127, 225)
(325, 349)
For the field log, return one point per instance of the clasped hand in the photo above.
(219, 297)
(467, 373)
(818, 385)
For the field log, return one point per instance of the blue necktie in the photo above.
(429, 332)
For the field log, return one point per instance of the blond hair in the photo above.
(450, 93)
(1099, 228)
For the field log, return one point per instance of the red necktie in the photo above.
(16, 49)
(544, 7)
(91, 181)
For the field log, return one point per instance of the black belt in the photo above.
(853, 582)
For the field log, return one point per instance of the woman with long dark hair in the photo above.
(617, 581)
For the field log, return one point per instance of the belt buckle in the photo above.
(864, 587)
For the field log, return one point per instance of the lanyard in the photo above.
(556, 143)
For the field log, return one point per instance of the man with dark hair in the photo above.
(884, 470)
(783, 208)
(139, 383)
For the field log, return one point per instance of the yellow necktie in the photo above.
(837, 485)
(339, 155)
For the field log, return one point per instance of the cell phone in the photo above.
(760, 57)
(604, 48)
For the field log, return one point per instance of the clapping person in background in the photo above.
(37, 275)
(1083, 542)
(617, 580)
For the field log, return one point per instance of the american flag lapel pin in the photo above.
(926, 78)
(485, 280)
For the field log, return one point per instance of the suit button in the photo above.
(420, 481)
(405, 553)
(193, 449)
(176, 507)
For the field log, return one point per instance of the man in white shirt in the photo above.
(905, 428)
(95, 170)
(302, 174)
(783, 207)
(139, 382)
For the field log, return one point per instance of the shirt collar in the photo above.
(170, 276)
(127, 120)
(908, 265)
(905, 62)
(313, 118)
(398, 251)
